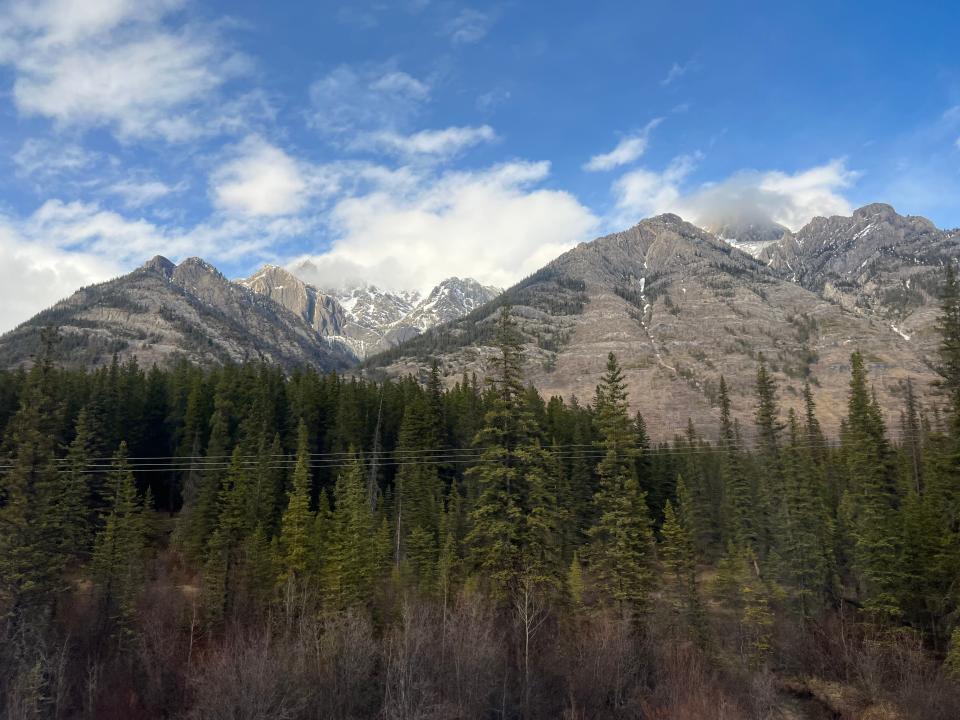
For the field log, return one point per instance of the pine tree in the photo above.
(296, 524)
(118, 552)
(76, 495)
(739, 586)
(677, 553)
(769, 493)
(738, 498)
(621, 539)
(417, 496)
(804, 564)
(515, 528)
(872, 500)
(32, 524)
(199, 517)
(214, 594)
(354, 554)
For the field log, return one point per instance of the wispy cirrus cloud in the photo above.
(348, 100)
(630, 148)
(677, 71)
(123, 64)
(467, 26)
(45, 157)
(443, 143)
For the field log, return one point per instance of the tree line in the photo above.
(235, 542)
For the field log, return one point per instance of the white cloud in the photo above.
(490, 100)
(440, 143)
(495, 225)
(113, 63)
(62, 246)
(350, 99)
(676, 72)
(261, 179)
(139, 193)
(33, 276)
(640, 193)
(45, 158)
(627, 150)
(790, 199)
(468, 26)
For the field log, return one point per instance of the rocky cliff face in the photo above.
(161, 312)
(366, 320)
(876, 263)
(321, 312)
(680, 307)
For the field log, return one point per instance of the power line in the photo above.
(423, 456)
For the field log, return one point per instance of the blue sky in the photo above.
(403, 142)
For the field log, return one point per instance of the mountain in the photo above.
(321, 312)
(365, 320)
(680, 307)
(161, 312)
(876, 263)
(752, 236)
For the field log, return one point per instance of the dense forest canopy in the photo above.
(237, 542)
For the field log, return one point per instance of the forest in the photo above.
(240, 543)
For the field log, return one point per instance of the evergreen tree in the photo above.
(871, 503)
(77, 495)
(621, 539)
(32, 523)
(738, 498)
(768, 509)
(515, 527)
(803, 537)
(354, 548)
(296, 524)
(119, 549)
(677, 553)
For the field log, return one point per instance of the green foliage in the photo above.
(297, 522)
(514, 520)
(621, 538)
(118, 553)
(871, 503)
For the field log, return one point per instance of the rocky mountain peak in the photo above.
(881, 211)
(160, 264)
(195, 271)
(320, 311)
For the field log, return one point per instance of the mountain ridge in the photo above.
(680, 307)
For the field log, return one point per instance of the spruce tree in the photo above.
(676, 551)
(296, 524)
(514, 530)
(32, 524)
(768, 510)
(804, 550)
(621, 539)
(118, 552)
(738, 498)
(872, 501)
(354, 547)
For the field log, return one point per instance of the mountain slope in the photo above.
(680, 307)
(875, 263)
(163, 311)
(366, 320)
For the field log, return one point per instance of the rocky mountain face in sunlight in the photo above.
(681, 306)
(162, 312)
(678, 304)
